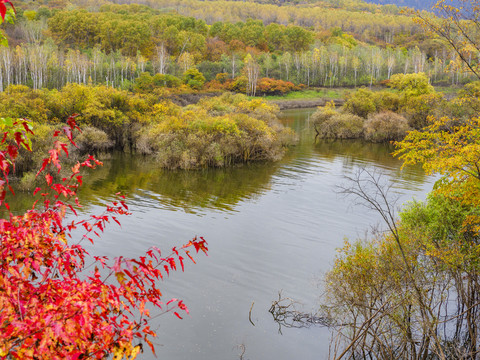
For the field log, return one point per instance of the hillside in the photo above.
(417, 4)
(216, 45)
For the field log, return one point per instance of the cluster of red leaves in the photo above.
(56, 300)
(270, 86)
(265, 86)
(3, 7)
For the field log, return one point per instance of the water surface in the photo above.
(270, 227)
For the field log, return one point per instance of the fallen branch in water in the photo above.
(286, 314)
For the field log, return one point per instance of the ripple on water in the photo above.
(269, 227)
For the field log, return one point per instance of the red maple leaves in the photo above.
(3, 8)
(56, 300)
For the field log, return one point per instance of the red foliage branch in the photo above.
(50, 306)
(3, 8)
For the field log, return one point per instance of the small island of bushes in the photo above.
(388, 114)
(216, 132)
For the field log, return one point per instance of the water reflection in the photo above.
(223, 189)
(190, 191)
(269, 227)
(350, 153)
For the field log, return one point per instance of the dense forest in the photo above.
(322, 44)
(416, 4)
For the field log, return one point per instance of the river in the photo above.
(269, 227)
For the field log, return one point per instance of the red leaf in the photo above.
(44, 165)
(176, 314)
(18, 136)
(12, 151)
(3, 10)
(181, 262)
(190, 256)
(150, 344)
(25, 123)
(64, 147)
(49, 179)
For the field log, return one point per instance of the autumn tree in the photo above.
(411, 85)
(52, 305)
(194, 78)
(251, 71)
(390, 295)
(450, 147)
(457, 23)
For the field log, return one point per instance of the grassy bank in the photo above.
(340, 93)
(308, 94)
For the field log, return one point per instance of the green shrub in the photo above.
(28, 182)
(418, 109)
(232, 128)
(323, 114)
(143, 83)
(386, 100)
(166, 80)
(385, 126)
(411, 85)
(239, 84)
(222, 77)
(20, 101)
(194, 78)
(361, 103)
(41, 143)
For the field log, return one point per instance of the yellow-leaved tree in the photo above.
(457, 23)
(450, 147)
(413, 292)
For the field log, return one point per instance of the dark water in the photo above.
(270, 227)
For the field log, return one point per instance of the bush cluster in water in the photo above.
(387, 115)
(217, 132)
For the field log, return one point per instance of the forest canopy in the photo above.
(347, 43)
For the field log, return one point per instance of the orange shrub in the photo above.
(269, 86)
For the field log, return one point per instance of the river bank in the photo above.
(191, 98)
(305, 103)
(284, 104)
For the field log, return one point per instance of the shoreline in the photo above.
(194, 98)
(305, 103)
